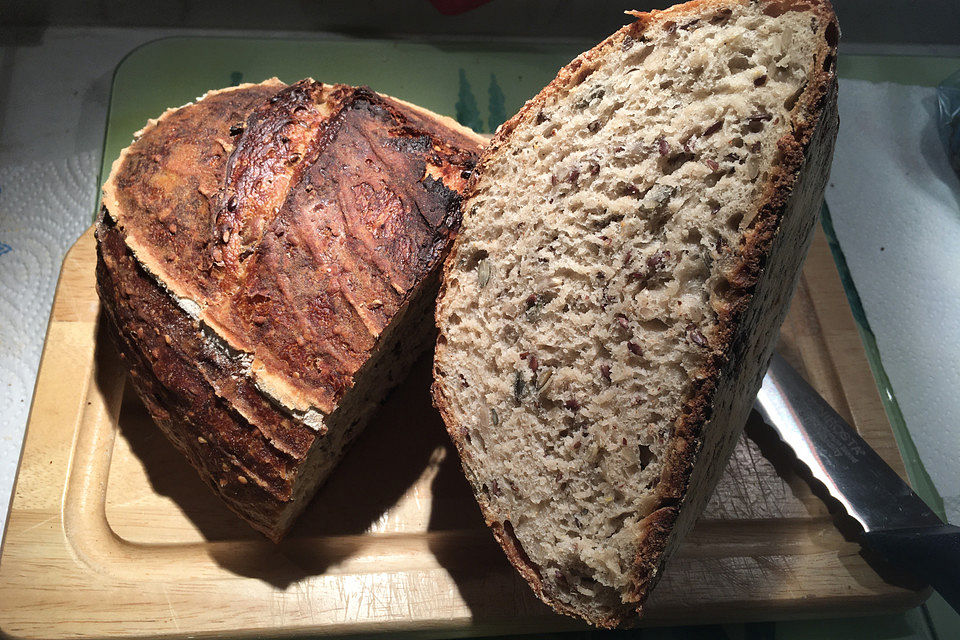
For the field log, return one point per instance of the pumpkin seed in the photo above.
(483, 273)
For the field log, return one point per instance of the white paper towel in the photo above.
(56, 86)
(44, 207)
(895, 204)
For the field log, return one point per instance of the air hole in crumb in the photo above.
(693, 236)
(675, 162)
(645, 454)
(624, 189)
(832, 34)
(721, 17)
(588, 586)
(738, 64)
(548, 404)
(657, 220)
(617, 522)
(780, 74)
(712, 129)
(595, 126)
(655, 325)
(512, 536)
(777, 158)
(733, 222)
(722, 288)
(472, 262)
(791, 102)
(777, 9)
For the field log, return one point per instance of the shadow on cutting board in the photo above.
(401, 477)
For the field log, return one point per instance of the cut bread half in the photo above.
(630, 244)
(268, 261)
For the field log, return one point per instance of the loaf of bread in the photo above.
(630, 243)
(268, 259)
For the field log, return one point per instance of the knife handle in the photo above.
(930, 553)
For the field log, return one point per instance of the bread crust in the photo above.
(793, 191)
(259, 229)
(192, 391)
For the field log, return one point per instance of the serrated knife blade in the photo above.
(897, 524)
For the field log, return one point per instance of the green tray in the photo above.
(481, 83)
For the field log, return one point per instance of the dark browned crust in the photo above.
(362, 225)
(287, 265)
(243, 235)
(279, 140)
(166, 184)
(814, 125)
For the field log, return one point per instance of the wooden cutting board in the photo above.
(111, 534)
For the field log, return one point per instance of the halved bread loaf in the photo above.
(268, 259)
(630, 243)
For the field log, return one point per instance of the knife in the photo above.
(896, 523)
